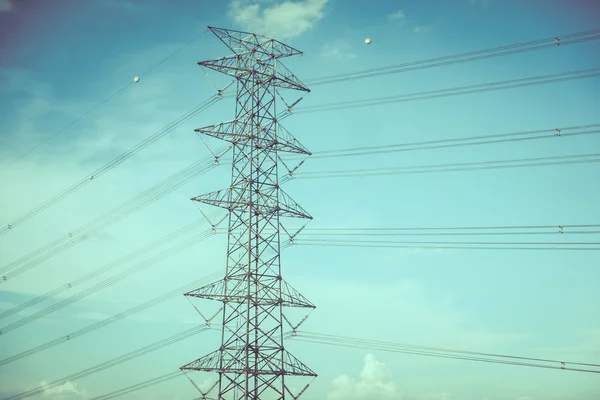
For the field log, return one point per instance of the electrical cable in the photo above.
(111, 164)
(443, 353)
(145, 198)
(460, 58)
(108, 267)
(117, 317)
(114, 361)
(456, 91)
(452, 167)
(559, 227)
(517, 233)
(109, 281)
(140, 385)
(447, 143)
(376, 244)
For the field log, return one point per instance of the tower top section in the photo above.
(244, 42)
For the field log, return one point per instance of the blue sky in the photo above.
(58, 59)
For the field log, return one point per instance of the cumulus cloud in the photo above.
(66, 391)
(397, 16)
(6, 5)
(281, 20)
(375, 382)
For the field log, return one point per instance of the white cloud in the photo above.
(6, 6)
(68, 390)
(282, 21)
(339, 50)
(397, 16)
(375, 382)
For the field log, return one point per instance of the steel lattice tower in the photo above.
(252, 362)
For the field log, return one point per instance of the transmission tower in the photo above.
(252, 362)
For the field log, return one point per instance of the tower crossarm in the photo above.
(271, 136)
(245, 66)
(241, 42)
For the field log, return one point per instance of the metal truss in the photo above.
(252, 362)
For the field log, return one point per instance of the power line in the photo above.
(108, 267)
(456, 91)
(559, 228)
(140, 385)
(447, 143)
(379, 245)
(517, 230)
(460, 58)
(114, 361)
(444, 353)
(111, 164)
(120, 212)
(453, 167)
(108, 282)
(117, 317)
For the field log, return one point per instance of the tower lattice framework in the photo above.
(252, 362)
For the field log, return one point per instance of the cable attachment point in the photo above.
(220, 91)
(557, 132)
(217, 157)
(557, 41)
(560, 229)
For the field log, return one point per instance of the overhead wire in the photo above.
(450, 167)
(458, 142)
(111, 164)
(114, 361)
(118, 213)
(141, 385)
(194, 240)
(455, 91)
(379, 245)
(108, 267)
(444, 352)
(559, 227)
(539, 44)
(117, 317)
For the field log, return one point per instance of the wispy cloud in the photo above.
(282, 20)
(397, 16)
(421, 29)
(339, 50)
(68, 390)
